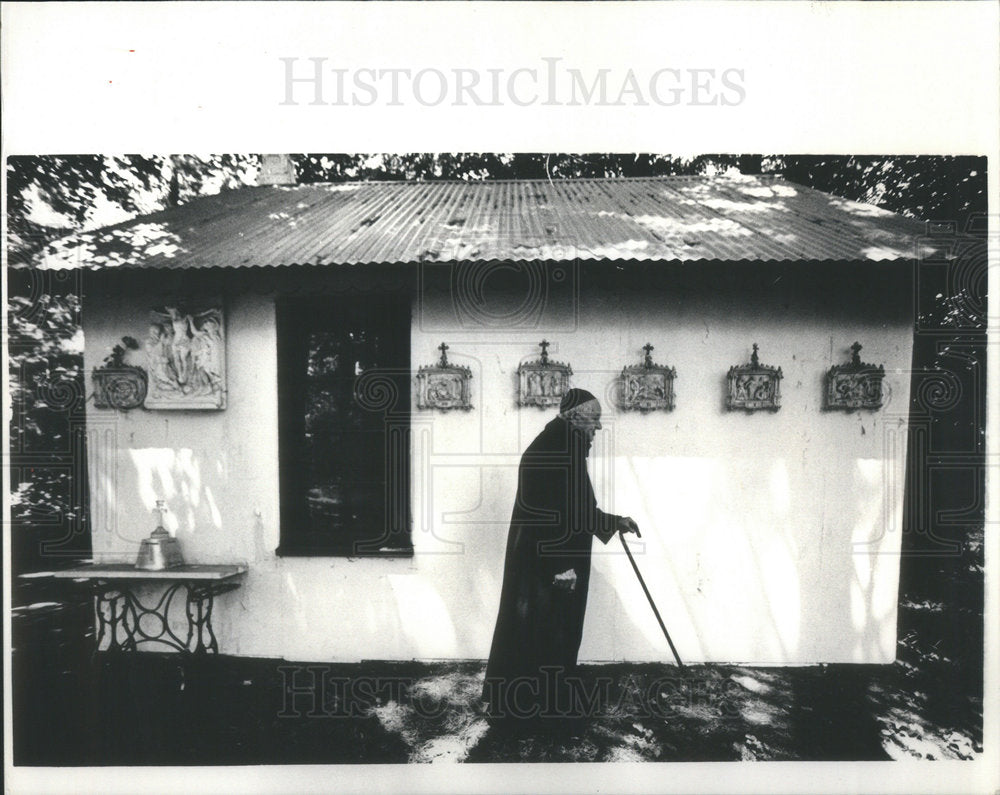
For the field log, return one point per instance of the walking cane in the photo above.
(652, 604)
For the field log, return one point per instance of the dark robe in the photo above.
(554, 519)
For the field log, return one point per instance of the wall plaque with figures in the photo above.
(542, 382)
(186, 350)
(444, 386)
(646, 386)
(754, 386)
(855, 385)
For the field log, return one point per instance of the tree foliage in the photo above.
(51, 196)
(941, 189)
(45, 347)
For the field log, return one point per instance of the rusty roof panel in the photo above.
(729, 218)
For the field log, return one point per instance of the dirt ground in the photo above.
(73, 708)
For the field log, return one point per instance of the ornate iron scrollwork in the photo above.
(754, 386)
(646, 386)
(123, 622)
(855, 385)
(444, 386)
(542, 383)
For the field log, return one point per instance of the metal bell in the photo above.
(161, 550)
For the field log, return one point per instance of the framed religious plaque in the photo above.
(855, 385)
(118, 385)
(647, 386)
(754, 386)
(542, 383)
(186, 354)
(444, 386)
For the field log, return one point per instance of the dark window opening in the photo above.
(344, 412)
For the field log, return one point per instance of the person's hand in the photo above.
(626, 524)
(565, 581)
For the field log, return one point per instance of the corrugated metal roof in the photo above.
(657, 218)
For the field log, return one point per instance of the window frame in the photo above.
(295, 318)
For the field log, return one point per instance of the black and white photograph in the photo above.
(527, 462)
(319, 567)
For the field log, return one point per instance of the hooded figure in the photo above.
(547, 567)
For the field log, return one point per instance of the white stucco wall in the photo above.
(767, 538)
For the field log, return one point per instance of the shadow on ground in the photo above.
(157, 709)
(72, 707)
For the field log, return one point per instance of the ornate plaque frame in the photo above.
(754, 386)
(118, 385)
(444, 386)
(120, 388)
(646, 386)
(855, 385)
(542, 383)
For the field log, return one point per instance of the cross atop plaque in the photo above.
(754, 386)
(647, 386)
(855, 385)
(444, 386)
(543, 382)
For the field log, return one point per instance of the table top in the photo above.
(126, 571)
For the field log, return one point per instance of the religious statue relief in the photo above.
(646, 386)
(542, 383)
(444, 385)
(855, 385)
(754, 386)
(187, 359)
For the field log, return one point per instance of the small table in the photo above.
(123, 622)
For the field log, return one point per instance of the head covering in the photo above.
(573, 398)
